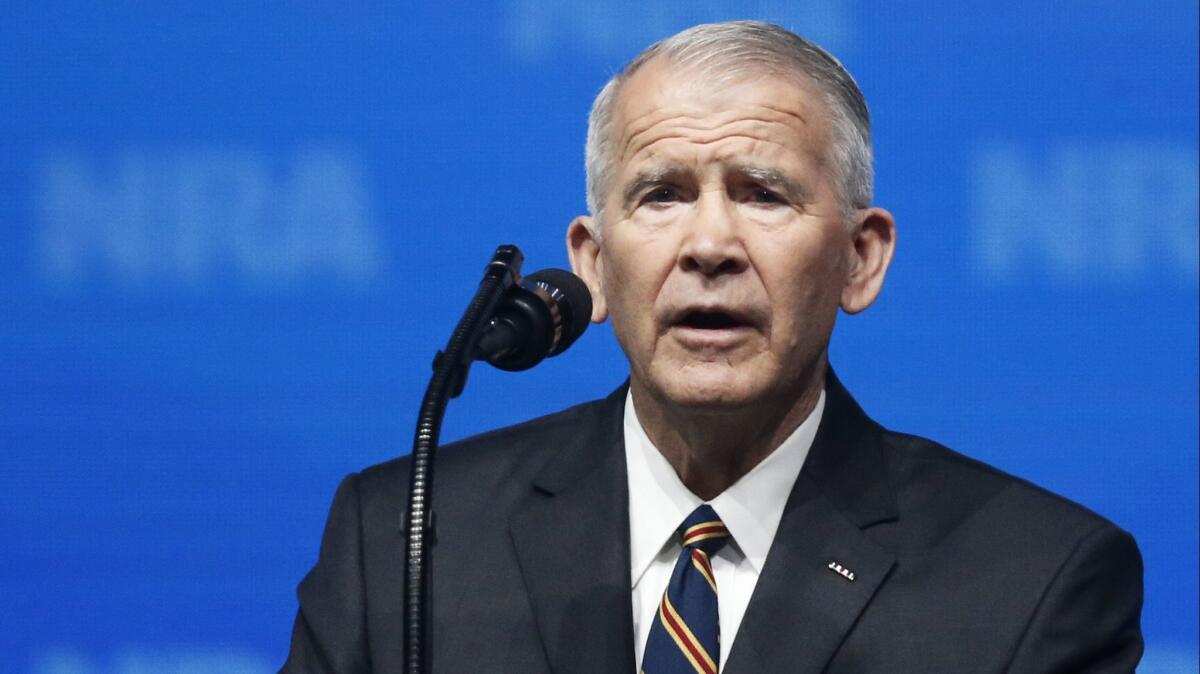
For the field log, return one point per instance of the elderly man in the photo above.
(732, 509)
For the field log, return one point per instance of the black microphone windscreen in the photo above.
(575, 302)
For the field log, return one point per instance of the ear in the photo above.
(583, 249)
(873, 245)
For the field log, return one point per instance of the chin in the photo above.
(712, 389)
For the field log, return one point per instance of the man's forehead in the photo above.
(663, 92)
(660, 80)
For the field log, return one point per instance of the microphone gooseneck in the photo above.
(512, 323)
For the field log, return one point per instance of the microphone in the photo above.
(539, 317)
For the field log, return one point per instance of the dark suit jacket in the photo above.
(957, 566)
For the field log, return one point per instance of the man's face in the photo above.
(723, 257)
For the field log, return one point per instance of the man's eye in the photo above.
(662, 195)
(765, 196)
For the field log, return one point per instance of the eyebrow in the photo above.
(767, 177)
(647, 178)
(776, 180)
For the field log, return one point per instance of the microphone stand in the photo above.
(450, 368)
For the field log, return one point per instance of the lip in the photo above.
(710, 338)
(746, 317)
(716, 336)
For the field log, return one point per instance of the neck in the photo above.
(712, 449)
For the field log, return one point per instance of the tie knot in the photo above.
(704, 530)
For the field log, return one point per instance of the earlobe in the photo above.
(873, 246)
(583, 249)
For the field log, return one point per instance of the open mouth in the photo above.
(711, 320)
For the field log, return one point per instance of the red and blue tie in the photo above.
(685, 637)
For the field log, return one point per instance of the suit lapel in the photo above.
(572, 540)
(802, 609)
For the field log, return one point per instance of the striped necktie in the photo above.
(685, 637)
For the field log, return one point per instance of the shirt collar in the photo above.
(750, 508)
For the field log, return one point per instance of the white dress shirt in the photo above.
(751, 509)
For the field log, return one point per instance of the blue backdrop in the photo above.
(232, 237)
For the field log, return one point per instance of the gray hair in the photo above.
(730, 50)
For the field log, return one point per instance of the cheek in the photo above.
(803, 281)
(635, 270)
(621, 285)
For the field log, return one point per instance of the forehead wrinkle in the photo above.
(708, 128)
(757, 150)
(724, 157)
(742, 130)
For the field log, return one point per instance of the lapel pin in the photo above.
(841, 571)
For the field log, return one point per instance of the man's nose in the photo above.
(711, 243)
